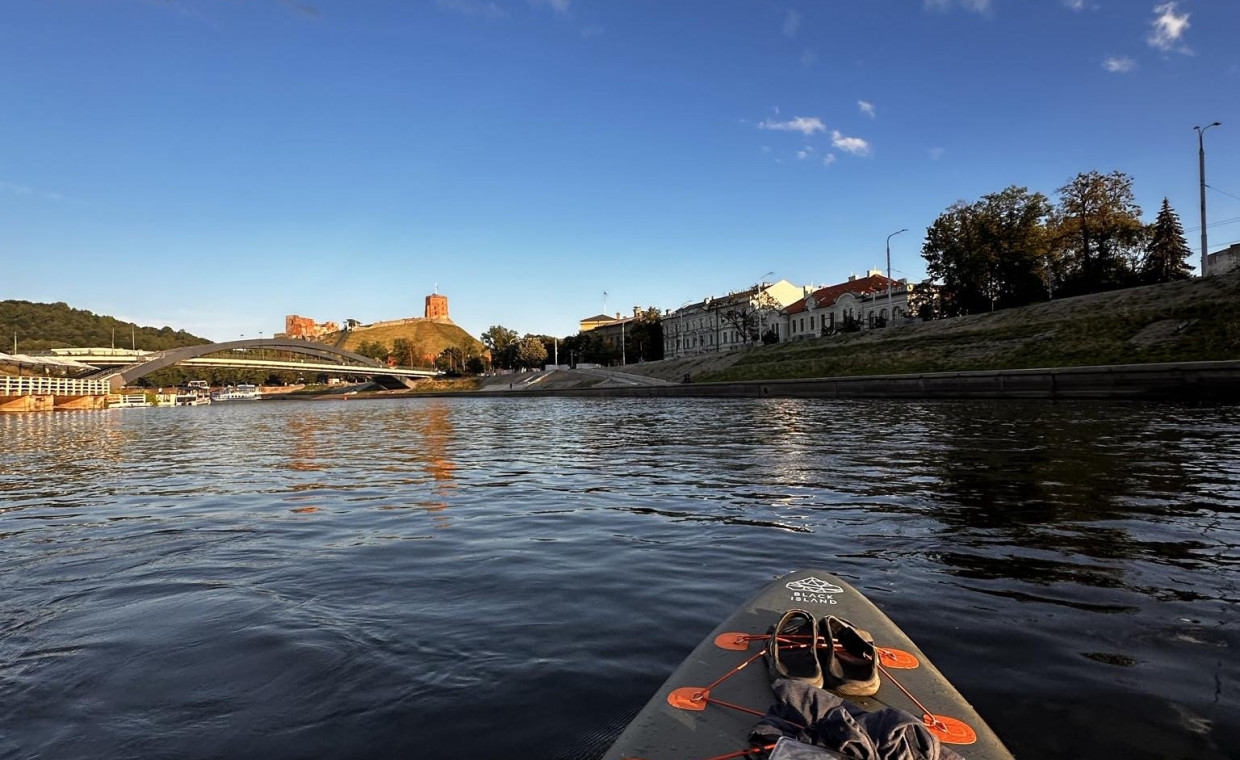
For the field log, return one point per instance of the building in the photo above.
(307, 328)
(598, 320)
(728, 322)
(437, 308)
(1224, 261)
(860, 301)
(613, 331)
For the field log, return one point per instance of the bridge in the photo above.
(120, 367)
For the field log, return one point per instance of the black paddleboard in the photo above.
(684, 721)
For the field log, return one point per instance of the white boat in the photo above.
(241, 392)
(193, 397)
(128, 401)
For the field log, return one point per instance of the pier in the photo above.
(37, 394)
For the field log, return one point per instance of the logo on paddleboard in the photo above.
(813, 590)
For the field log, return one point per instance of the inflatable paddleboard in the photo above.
(707, 708)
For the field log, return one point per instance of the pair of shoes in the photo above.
(829, 653)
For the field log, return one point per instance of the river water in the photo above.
(478, 578)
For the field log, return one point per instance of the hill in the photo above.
(40, 326)
(429, 339)
(1191, 320)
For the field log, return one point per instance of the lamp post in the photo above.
(889, 237)
(757, 296)
(1201, 168)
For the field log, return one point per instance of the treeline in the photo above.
(643, 341)
(41, 326)
(1014, 247)
(404, 352)
(505, 348)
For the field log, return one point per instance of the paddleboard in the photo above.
(694, 714)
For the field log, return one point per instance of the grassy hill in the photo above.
(429, 339)
(40, 326)
(1192, 320)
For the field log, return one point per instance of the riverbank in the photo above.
(1189, 321)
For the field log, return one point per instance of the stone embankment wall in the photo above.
(1187, 381)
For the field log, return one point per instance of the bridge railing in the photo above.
(34, 385)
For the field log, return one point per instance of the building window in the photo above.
(811, 324)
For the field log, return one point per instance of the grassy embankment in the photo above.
(1195, 320)
(427, 338)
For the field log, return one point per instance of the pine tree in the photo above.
(1167, 254)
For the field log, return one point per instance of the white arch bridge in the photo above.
(121, 367)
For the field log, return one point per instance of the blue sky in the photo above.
(214, 166)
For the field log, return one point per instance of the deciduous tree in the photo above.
(1098, 229)
(531, 352)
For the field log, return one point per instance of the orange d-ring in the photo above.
(896, 659)
(688, 698)
(733, 640)
(949, 730)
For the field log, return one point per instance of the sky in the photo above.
(213, 165)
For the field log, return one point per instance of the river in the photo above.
(477, 578)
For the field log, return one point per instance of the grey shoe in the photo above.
(790, 650)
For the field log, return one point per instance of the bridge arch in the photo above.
(128, 374)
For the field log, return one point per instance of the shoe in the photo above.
(790, 651)
(848, 661)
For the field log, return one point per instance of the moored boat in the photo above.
(241, 392)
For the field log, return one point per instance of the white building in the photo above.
(719, 324)
(862, 301)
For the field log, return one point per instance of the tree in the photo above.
(531, 352)
(1167, 252)
(743, 311)
(502, 343)
(1014, 229)
(644, 340)
(374, 350)
(451, 359)
(957, 258)
(1098, 228)
(404, 352)
(992, 253)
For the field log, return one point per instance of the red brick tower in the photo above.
(437, 308)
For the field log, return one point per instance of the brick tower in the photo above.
(437, 308)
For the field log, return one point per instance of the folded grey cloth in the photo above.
(832, 723)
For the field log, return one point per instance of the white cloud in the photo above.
(559, 6)
(1119, 64)
(866, 108)
(828, 159)
(805, 152)
(943, 6)
(792, 22)
(937, 153)
(806, 125)
(854, 145)
(766, 149)
(1074, 5)
(592, 30)
(808, 57)
(1167, 29)
(483, 8)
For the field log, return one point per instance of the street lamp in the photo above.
(757, 297)
(890, 314)
(1201, 167)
